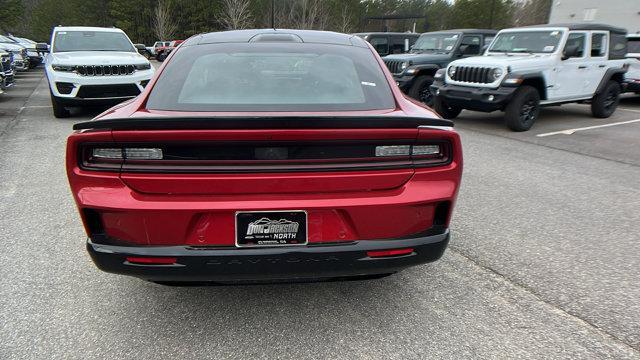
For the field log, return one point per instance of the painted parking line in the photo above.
(627, 109)
(571, 131)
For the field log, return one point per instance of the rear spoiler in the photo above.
(269, 122)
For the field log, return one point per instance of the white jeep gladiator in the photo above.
(528, 67)
(93, 66)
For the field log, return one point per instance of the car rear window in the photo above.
(271, 77)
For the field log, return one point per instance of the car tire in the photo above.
(59, 111)
(446, 111)
(523, 110)
(160, 57)
(605, 103)
(420, 90)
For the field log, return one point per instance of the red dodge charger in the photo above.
(266, 155)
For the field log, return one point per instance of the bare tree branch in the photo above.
(164, 25)
(345, 21)
(236, 14)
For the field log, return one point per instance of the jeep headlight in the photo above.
(404, 65)
(146, 66)
(452, 71)
(66, 68)
(496, 73)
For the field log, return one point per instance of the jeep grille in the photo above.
(105, 70)
(473, 74)
(394, 66)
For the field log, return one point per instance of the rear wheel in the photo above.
(161, 56)
(605, 103)
(523, 110)
(446, 111)
(420, 90)
(59, 111)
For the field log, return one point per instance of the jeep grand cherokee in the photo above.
(266, 154)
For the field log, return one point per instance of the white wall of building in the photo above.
(621, 13)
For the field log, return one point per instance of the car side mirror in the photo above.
(42, 47)
(570, 51)
(461, 50)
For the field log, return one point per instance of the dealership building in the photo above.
(621, 13)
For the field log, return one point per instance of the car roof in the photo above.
(86, 28)
(305, 36)
(580, 26)
(474, 31)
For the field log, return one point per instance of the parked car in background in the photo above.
(142, 50)
(157, 45)
(6, 70)
(632, 77)
(20, 57)
(164, 51)
(344, 178)
(387, 43)
(35, 58)
(525, 68)
(432, 51)
(93, 66)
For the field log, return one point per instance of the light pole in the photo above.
(273, 14)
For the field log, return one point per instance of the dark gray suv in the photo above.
(432, 51)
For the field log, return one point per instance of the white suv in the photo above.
(632, 77)
(527, 67)
(93, 66)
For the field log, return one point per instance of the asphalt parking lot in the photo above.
(543, 262)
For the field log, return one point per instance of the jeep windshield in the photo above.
(271, 77)
(437, 43)
(526, 42)
(66, 41)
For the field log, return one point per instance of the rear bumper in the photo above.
(474, 98)
(222, 264)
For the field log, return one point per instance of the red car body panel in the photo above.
(198, 209)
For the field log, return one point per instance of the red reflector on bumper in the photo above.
(386, 253)
(152, 260)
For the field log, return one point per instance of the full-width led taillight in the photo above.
(234, 157)
(127, 153)
(406, 150)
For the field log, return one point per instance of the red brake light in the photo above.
(387, 253)
(152, 260)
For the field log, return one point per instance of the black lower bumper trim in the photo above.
(632, 86)
(405, 82)
(474, 98)
(286, 263)
(79, 102)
